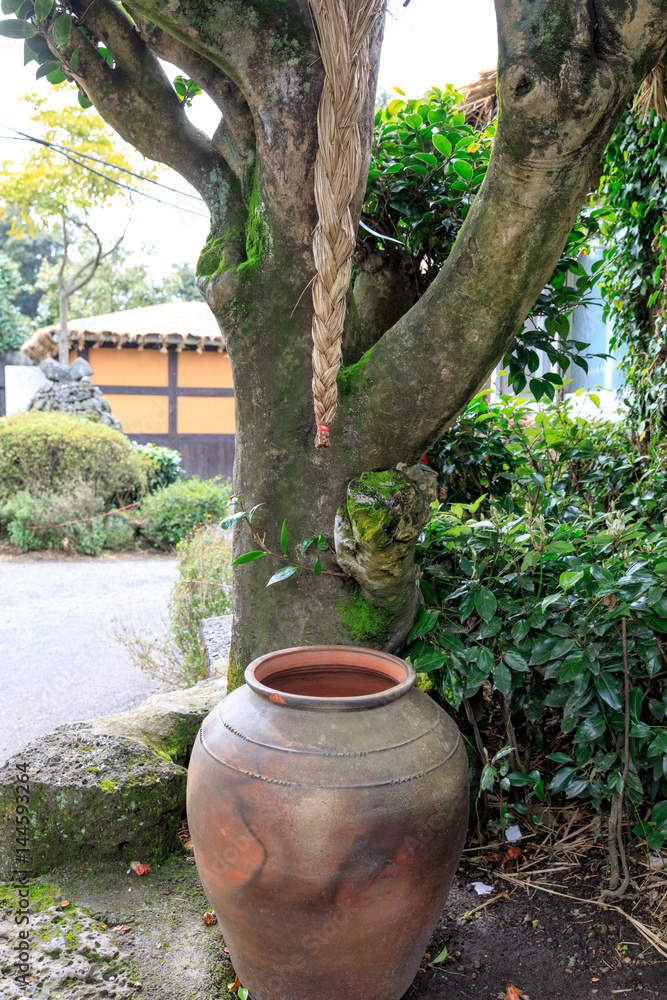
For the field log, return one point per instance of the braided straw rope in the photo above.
(343, 31)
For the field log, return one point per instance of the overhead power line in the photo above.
(71, 155)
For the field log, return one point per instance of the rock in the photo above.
(216, 638)
(111, 787)
(55, 371)
(76, 398)
(69, 949)
(80, 369)
(168, 722)
(89, 793)
(163, 907)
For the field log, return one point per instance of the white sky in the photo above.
(429, 43)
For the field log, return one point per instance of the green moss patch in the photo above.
(365, 622)
(352, 379)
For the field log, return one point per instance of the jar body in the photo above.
(327, 836)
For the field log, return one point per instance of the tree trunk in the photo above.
(276, 465)
(566, 71)
(63, 329)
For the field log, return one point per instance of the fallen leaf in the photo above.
(513, 993)
(65, 903)
(137, 986)
(159, 944)
(235, 985)
(441, 957)
(595, 979)
(122, 927)
(512, 852)
(610, 601)
(210, 918)
(140, 868)
(226, 950)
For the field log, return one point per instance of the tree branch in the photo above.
(555, 120)
(87, 269)
(234, 137)
(136, 98)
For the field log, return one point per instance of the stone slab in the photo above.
(111, 787)
(216, 638)
(105, 942)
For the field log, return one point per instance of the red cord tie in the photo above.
(322, 428)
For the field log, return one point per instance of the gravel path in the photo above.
(59, 661)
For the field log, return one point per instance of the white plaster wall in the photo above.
(21, 384)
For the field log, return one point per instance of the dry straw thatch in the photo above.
(480, 102)
(653, 93)
(343, 30)
(189, 325)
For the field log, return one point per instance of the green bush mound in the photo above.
(163, 465)
(69, 522)
(546, 600)
(170, 514)
(48, 451)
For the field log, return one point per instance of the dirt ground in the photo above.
(534, 932)
(539, 935)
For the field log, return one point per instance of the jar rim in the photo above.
(349, 659)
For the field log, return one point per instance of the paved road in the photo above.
(59, 660)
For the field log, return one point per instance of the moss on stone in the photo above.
(108, 785)
(71, 939)
(352, 378)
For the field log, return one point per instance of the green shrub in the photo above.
(120, 533)
(48, 451)
(527, 592)
(174, 512)
(202, 590)
(162, 465)
(65, 521)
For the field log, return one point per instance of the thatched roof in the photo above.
(189, 325)
(480, 103)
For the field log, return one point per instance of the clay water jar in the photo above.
(327, 804)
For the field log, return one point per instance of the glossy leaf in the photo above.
(485, 603)
(61, 29)
(17, 29)
(283, 574)
(248, 557)
(231, 520)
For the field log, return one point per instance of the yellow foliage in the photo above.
(48, 184)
